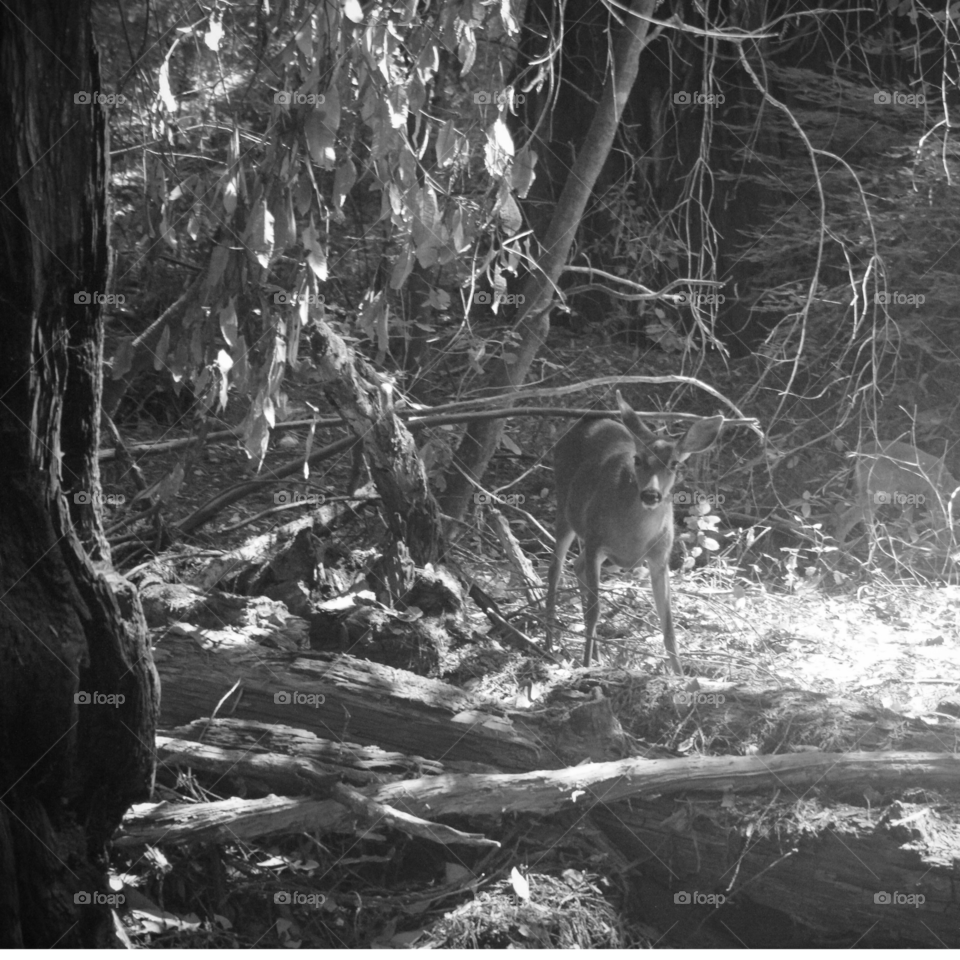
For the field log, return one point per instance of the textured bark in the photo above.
(366, 404)
(69, 765)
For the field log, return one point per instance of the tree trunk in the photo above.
(481, 438)
(78, 692)
(365, 402)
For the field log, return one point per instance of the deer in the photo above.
(614, 482)
(894, 472)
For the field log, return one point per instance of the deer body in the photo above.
(892, 471)
(614, 492)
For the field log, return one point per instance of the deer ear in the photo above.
(633, 423)
(701, 436)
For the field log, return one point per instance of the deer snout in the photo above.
(651, 497)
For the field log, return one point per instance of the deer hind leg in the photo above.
(564, 539)
(849, 519)
(587, 567)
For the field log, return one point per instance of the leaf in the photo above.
(218, 263)
(214, 33)
(509, 20)
(428, 231)
(352, 10)
(177, 365)
(169, 487)
(366, 314)
(228, 323)
(122, 359)
(260, 234)
(509, 443)
(163, 86)
(498, 282)
(457, 235)
(383, 331)
(371, 318)
(275, 372)
(401, 269)
(467, 50)
(521, 886)
(166, 229)
(522, 174)
(304, 38)
(398, 102)
(343, 181)
(395, 198)
(317, 261)
(320, 129)
(320, 140)
(224, 363)
(446, 144)
(501, 135)
(295, 321)
(163, 348)
(230, 195)
(304, 198)
(446, 254)
(241, 366)
(281, 207)
(330, 108)
(407, 168)
(316, 257)
(256, 438)
(429, 61)
(498, 149)
(290, 228)
(384, 139)
(370, 103)
(416, 95)
(428, 209)
(428, 253)
(509, 212)
(438, 299)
